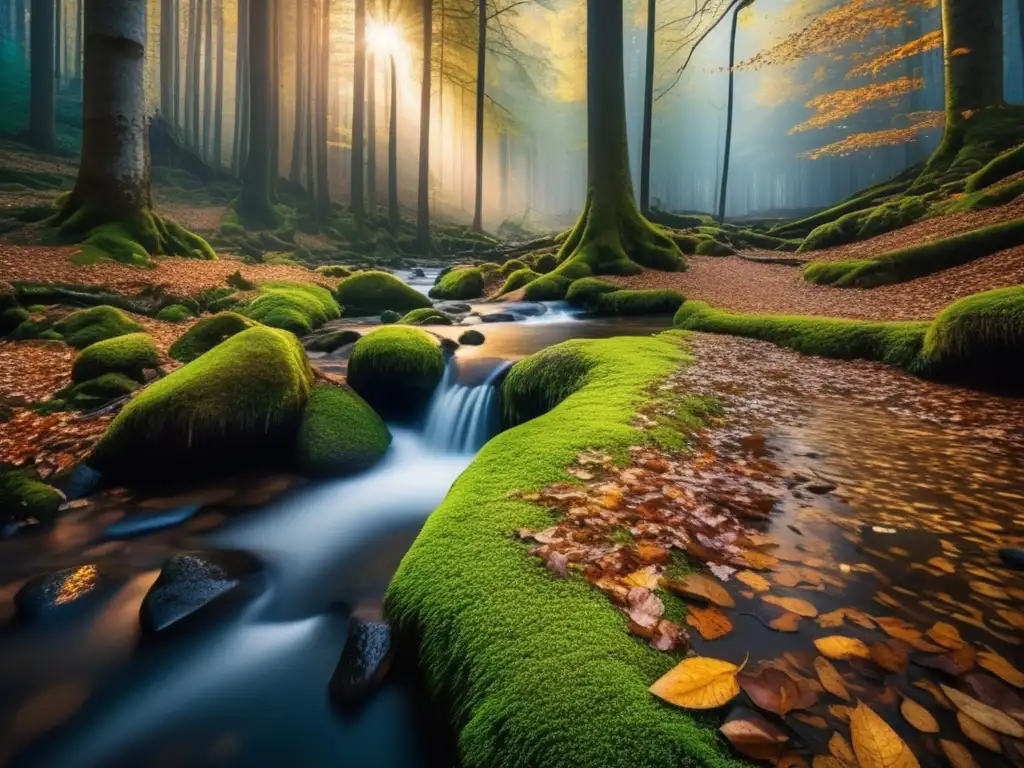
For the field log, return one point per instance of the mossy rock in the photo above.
(175, 313)
(518, 279)
(329, 342)
(460, 285)
(339, 434)
(512, 265)
(237, 405)
(472, 338)
(87, 326)
(633, 303)
(11, 318)
(207, 334)
(333, 270)
(101, 390)
(426, 316)
(546, 262)
(980, 339)
(368, 294)
(714, 248)
(396, 370)
(297, 307)
(586, 292)
(389, 317)
(23, 496)
(549, 287)
(130, 355)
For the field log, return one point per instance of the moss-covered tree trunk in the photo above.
(358, 112)
(611, 236)
(112, 189)
(254, 206)
(42, 118)
(423, 188)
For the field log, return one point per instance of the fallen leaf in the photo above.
(954, 663)
(840, 647)
(787, 622)
(830, 678)
(791, 761)
(710, 622)
(826, 761)
(918, 716)
(991, 691)
(988, 716)
(875, 744)
(978, 733)
(644, 607)
(946, 635)
(793, 605)
(1001, 668)
(698, 683)
(759, 560)
(814, 721)
(775, 690)
(957, 754)
(755, 737)
(890, 655)
(1014, 618)
(755, 581)
(841, 749)
(936, 692)
(701, 587)
(908, 633)
(988, 590)
(647, 578)
(840, 712)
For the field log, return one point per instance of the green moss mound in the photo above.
(333, 270)
(518, 279)
(331, 341)
(513, 265)
(236, 405)
(367, 294)
(632, 303)
(339, 434)
(131, 241)
(396, 370)
(460, 285)
(174, 313)
(537, 384)
(897, 344)
(11, 318)
(130, 355)
(389, 317)
(534, 670)
(917, 260)
(550, 287)
(426, 316)
(100, 391)
(297, 307)
(23, 496)
(586, 292)
(207, 334)
(862, 225)
(980, 338)
(713, 248)
(87, 326)
(546, 262)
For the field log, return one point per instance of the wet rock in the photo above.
(454, 308)
(59, 592)
(471, 320)
(147, 522)
(526, 308)
(363, 664)
(821, 486)
(192, 580)
(417, 272)
(79, 482)
(450, 346)
(472, 338)
(500, 317)
(1012, 558)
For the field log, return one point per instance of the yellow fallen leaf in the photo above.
(646, 578)
(957, 754)
(759, 560)
(840, 647)
(1014, 618)
(978, 733)
(841, 749)
(840, 712)
(988, 590)
(698, 683)
(787, 622)
(826, 761)
(755, 581)
(876, 744)
(793, 605)
(701, 587)
(830, 679)
(946, 635)
(918, 716)
(710, 622)
(988, 716)
(814, 721)
(791, 760)
(942, 564)
(1000, 667)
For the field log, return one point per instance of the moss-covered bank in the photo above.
(537, 671)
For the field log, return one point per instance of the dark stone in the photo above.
(500, 317)
(417, 272)
(147, 522)
(59, 592)
(454, 308)
(525, 308)
(79, 482)
(472, 338)
(821, 486)
(363, 664)
(190, 581)
(1012, 558)
(450, 346)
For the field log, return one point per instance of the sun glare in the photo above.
(383, 39)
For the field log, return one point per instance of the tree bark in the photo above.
(241, 150)
(481, 87)
(423, 188)
(394, 215)
(371, 134)
(358, 113)
(276, 24)
(645, 149)
(299, 135)
(254, 201)
(42, 119)
(218, 122)
(208, 82)
(723, 189)
(168, 51)
(611, 235)
(58, 38)
(323, 190)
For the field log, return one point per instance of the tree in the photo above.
(42, 118)
(301, 96)
(323, 191)
(358, 112)
(611, 235)
(218, 122)
(112, 189)
(208, 81)
(645, 151)
(371, 133)
(481, 86)
(423, 189)
(254, 205)
(168, 54)
(240, 151)
(394, 215)
(724, 187)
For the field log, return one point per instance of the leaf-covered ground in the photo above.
(843, 521)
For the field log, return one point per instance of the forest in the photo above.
(526, 383)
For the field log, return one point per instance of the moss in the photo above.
(207, 334)
(460, 285)
(512, 265)
(549, 287)
(897, 344)
(534, 670)
(980, 339)
(297, 307)
(518, 279)
(236, 405)
(862, 225)
(751, 239)
(917, 260)
(333, 270)
(472, 338)
(11, 318)
(586, 292)
(396, 370)
(23, 496)
(1000, 167)
(130, 355)
(51, 335)
(618, 240)
(133, 240)
(426, 316)
(87, 326)
(174, 313)
(540, 382)
(339, 434)
(988, 197)
(329, 342)
(367, 294)
(714, 248)
(490, 271)
(625, 303)
(389, 317)
(546, 262)
(101, 390)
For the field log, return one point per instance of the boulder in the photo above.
(339, 434)
(364, 663)
(207, 334)
(368, 294)
(87, 326)
(472, 338)
(396, 370)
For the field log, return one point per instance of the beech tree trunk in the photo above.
(371, 134)
(42, 118)
(394, 215)
(973, 60)
(168, 52)
(208, 82)
(723, 189)
(481, 87)
(323, 191)
(299, 135)
(423, 190)
(645, 149)
(254, 201)
(358, 113)
(218, 122)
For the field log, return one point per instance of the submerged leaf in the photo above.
(876, 744)
(753, 736)
(830, 678)
(1000, 667)
(918, 716)
(710, 622)
(978, 733)
(841, 749)
(957, 754)
(840, 647)
(775, 690)
(701, 587)
(793, 605)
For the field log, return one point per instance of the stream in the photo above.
(248, 686)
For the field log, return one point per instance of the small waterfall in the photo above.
(462, 417)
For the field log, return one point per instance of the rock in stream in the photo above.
(364, 663)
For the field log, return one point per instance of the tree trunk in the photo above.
(313, 89)
(195, 85)
(276, 24)
(241, 150)
(723, 190)
(323, 190)
(358, 113)
(645, 149)
(254, 201)
(611, 235)
(208, 83)
(168, 50)
(218, 122)
(371, 134)
(58, 37)
(394, 215)
(176, 10)
(423, 188)
(299, 135)
(192, 77)
(481, 87)
(42, 119)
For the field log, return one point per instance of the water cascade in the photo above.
(463, 416)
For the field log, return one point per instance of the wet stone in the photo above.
(500, 317)
(1012, 558)
(472, 338)
(417, 272)
(56, 593)
(147, 522)
(453, 308)
(190, 581)
(821, 486)
(363, 664)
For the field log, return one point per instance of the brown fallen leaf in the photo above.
(755, 581)
(988, 590)
(918, 716)
(875, 744)
(936, 692)
(753, 736)
(791, 760)
(698, 683)
(1012, 617)
(787, 622)
(644, 607)
(841, 749)
(826, 761)
(957, 754)
(954, 663)
(841, 647)
(814, 721)
(830, 678)
(978, 733)
(1001, 668)
(700, 587)
(990, 690)
(793, 605)
(647, 578)
(891, 655)
(840, 712)
(776, 690)
(908, 633)
(946, 635)
(988, 716)
(710, 622)
(942, 564)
